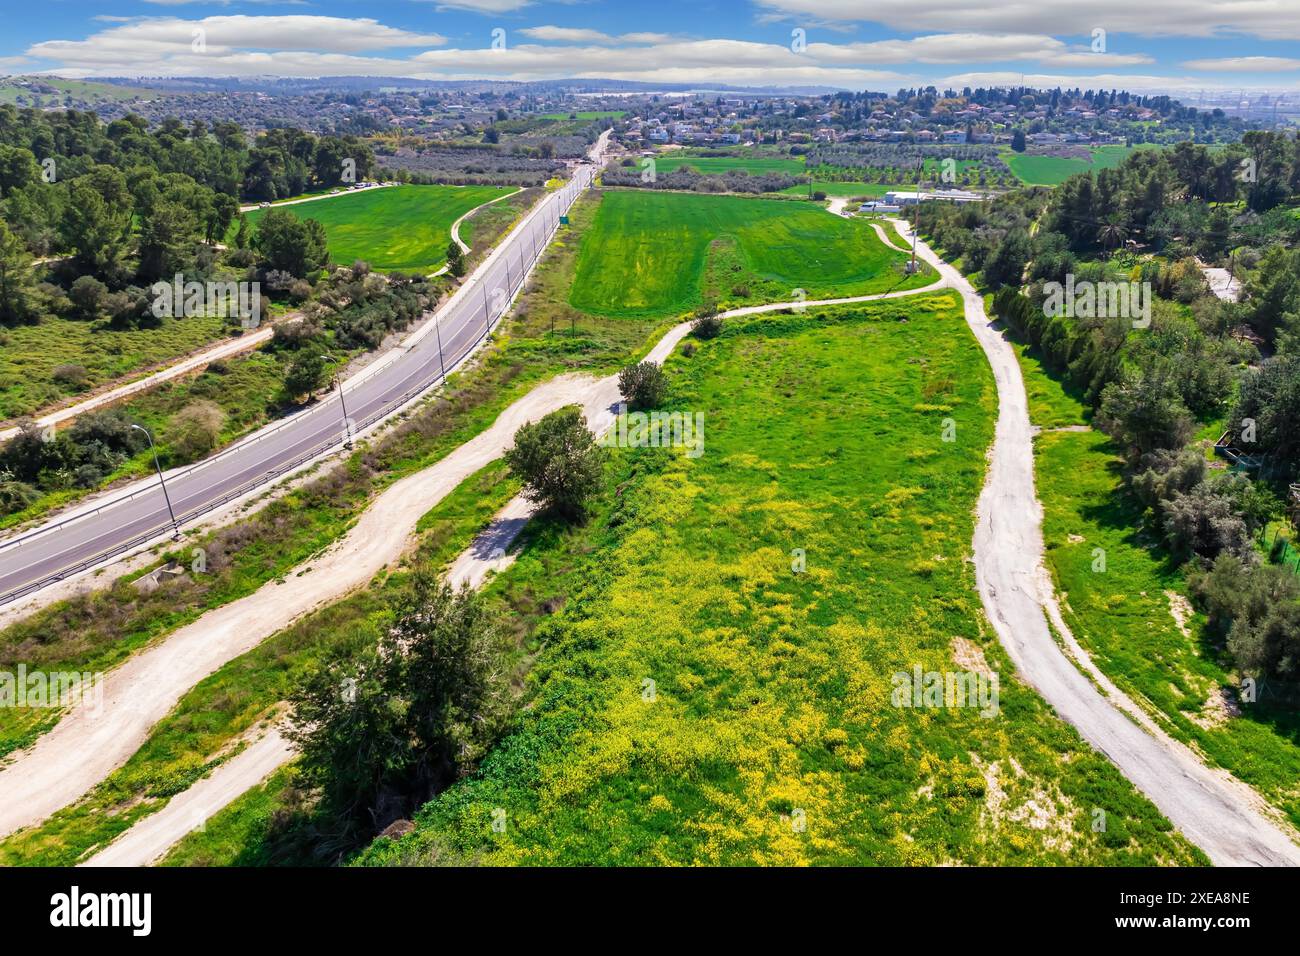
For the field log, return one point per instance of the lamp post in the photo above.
(347, 427)
(176, 528)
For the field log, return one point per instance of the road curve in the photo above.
(68, 546)
(1218, 813)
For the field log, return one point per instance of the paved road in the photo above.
(59, 549)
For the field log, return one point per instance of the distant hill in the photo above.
(54, 91)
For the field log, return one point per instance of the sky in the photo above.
(1178, 46)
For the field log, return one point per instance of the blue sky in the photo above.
(1176, 45)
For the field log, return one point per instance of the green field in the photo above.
(770, 700)
(654, 253)
(754, 164)
(395, 229)
(1054, 170)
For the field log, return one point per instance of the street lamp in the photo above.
(176, 528)
(347, 427)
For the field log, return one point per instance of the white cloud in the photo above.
(1246, 64)
(482, 6)
(970, 48)
(567, 34)
(1272, 19)
(1094, 81)
(165, 45)
(583, 35)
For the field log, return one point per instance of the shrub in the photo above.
(88, 296)
(642, 385)
(74, 377)
(193, 431)
(707, 327)
(16, 495)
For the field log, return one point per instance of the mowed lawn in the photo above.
(395, 229)
(646, 252)
(720, 689)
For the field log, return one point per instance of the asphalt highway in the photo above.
(66, 547)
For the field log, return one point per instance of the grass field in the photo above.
(1127, 616)
(1054, 170)
(648, 253)
(29, 354)
(768, 735)
(754, 164)
(395, 229)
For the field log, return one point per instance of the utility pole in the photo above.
(176, 528)
(347, 422)
(437, 330)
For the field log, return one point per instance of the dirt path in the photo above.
(1221, 815)
(293, 202)
(149, 840)
(455, 227)
(1222, 283)
(86, 745)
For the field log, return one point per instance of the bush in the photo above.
(75, 377)
(642, 385)
(16, 495)
(707, 327)
(193, 431)
(88, 296)
(558, 462)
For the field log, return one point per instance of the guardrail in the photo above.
(513, 284)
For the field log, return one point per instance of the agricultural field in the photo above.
(395, 229)
(756, 164)
(664, 253)
(30, 355)
(1054, 170)
(1134, 617)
